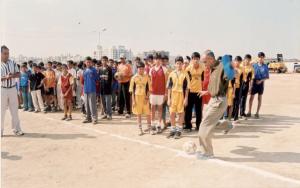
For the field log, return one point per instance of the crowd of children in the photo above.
(150, 88)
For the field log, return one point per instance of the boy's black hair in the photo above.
(219, 58)
(238, 58)
(95, 61)
(248, 56)
(157, 55)
(179, 58)
(261, 54)
(70, 62)
(195, 55)
(140, 64)
(64, 65)
(59, 63)
(80, 65)
(88, 58)
(104, 57)
(41, 64)
(138, 59)
(165, 57)
(49, 62)
(24, 66)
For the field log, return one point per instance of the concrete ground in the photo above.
(257, 153)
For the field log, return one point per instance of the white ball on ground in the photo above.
(190, 147)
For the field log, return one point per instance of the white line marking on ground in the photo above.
(180, 153)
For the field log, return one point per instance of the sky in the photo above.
(53, 27)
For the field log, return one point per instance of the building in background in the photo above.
(113, 53)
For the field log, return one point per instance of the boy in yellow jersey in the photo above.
(178, 84)
(139, 89)
(237, 92)
(195, 72)
(248, 76)
(169, 68)
(230, 97)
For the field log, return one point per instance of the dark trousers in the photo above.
(124, 98)
(193, 100)
(236, 104)
(244, 94)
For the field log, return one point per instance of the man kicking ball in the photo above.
(221, 73)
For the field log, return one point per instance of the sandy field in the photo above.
(258, 153)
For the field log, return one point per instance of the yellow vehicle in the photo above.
(278, 67)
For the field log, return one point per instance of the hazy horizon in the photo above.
(53, 27)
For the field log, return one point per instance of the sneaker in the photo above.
(24, 109)
(127, 116)
(18, 133)
(48, 108)
(177, 134)
(248, 115)
(30, 110)
(171, 134)
(54, 109)
(87, 121)
(45, 111)
(148, 129)
(109, 118)
(153, 130)
(141, 131)
(256, 116)
(36, 111)
(95, 122)
(204, 156)
(185, 129)
(69, 118)
(230, 126)
(158, 130)
(104, 117)
(244, 117)
(64, 118)
(235, 123)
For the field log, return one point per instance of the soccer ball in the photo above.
(190, 147)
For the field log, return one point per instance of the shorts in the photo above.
(156, 99)
(141, 106)
(257, 88)
(50, 91)
(177, 102)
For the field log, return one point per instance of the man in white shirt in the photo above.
(9, 97)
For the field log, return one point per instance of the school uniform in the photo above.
(178, 82)
(139, 88)
(196, 76)
(237, 94)
(248, 75)
(158, 76)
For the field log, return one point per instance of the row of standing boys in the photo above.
(150, 88)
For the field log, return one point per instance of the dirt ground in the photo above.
(257, 153)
